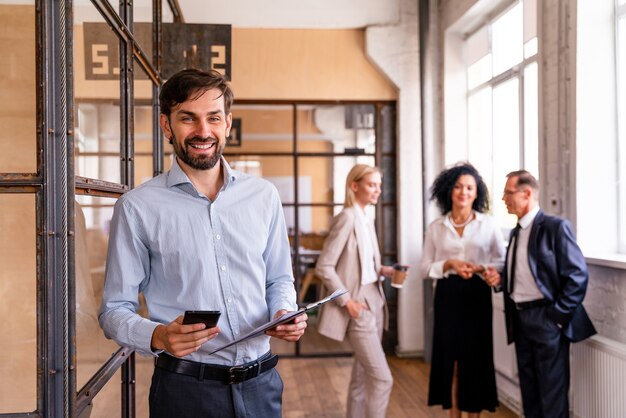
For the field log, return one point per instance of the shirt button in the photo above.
(223, 268)
(229, 300)
(218, 236)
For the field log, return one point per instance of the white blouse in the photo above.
(368, 271)
(481, 243)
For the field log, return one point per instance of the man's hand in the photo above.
(180, 340)
(491, 276)
(291, 331)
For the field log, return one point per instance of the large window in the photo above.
(601, 128)
(500, 106)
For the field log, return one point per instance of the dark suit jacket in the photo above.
(560, 272)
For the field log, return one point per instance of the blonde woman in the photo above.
(350, 260)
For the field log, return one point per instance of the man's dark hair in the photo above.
(441, 190)
(191, 84)
(524, 178)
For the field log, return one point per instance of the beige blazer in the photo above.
(339, 267)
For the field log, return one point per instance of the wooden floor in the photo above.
(314, 387)
(317, 387)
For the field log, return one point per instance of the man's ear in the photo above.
(528, 192)
(229, 123)
(164, 121)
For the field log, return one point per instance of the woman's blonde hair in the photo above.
(355, 175)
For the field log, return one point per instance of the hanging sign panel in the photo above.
(185, 45)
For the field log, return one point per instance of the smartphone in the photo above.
(209, 318)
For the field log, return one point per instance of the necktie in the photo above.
(514, 239)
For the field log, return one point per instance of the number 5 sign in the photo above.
(185, 45)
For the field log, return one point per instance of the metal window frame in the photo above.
(516, 71)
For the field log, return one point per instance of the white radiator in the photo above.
(599, 378)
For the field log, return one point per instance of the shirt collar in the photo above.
(526, 220)
(177, 177)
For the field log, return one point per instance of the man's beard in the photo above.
(199, 162)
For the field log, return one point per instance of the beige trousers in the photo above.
(371, 381)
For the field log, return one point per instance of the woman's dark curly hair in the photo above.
(441, 190)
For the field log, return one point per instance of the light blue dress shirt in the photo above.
(185, 252)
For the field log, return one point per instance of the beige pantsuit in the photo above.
(339, 267)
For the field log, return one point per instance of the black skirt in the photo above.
(463, 334)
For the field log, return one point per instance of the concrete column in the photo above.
(395, 50)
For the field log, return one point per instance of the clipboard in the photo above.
(282, 319)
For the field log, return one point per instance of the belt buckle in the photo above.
(238, 374)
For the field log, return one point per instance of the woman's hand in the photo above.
(386, 271)
(354, 308)
(462, 268)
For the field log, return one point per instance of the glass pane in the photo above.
(506, 143)
(143, 84)
(107, 403)
(276, 169)
(337, 129)
(388, 129)
(142, 31)
(92, 219)
(388, 169)
(18, 287)
(18, 105)
(530, 48)
(479, 126)
(531, 119)
(507, 40)
(323, 179)
(479, 72)
(143, 141)
(261, 128)
(311, 289)
(389, 236)
(167, 15)
(97, 90)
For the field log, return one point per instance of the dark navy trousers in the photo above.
(543, 364)
(175, 395)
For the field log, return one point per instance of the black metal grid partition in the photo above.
(84, 151)
(55, 187)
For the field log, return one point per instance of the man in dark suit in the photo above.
(544, 282)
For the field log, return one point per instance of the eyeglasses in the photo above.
(511, 192)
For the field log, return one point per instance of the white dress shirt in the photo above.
(481, 243)
(525, 285)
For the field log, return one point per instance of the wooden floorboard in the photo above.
(317, 387)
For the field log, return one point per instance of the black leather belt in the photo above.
(520, 306)
(228, 375)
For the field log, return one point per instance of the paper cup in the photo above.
(399, 275)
